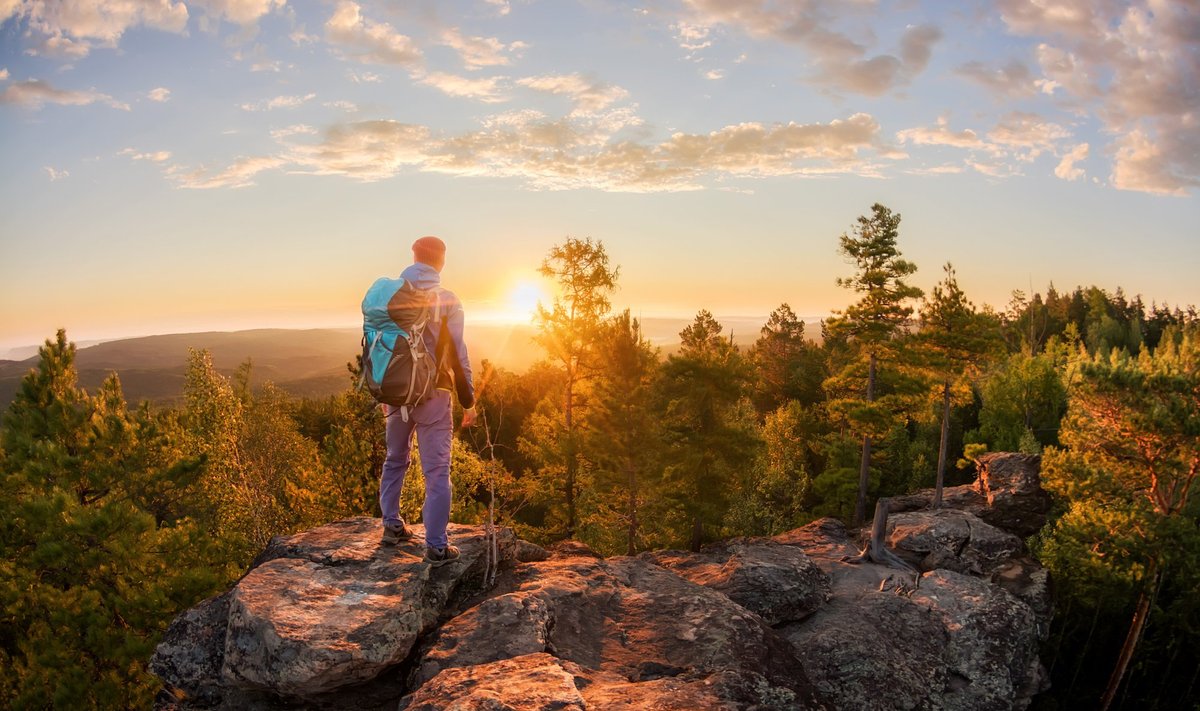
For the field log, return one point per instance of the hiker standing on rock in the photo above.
(431, 418)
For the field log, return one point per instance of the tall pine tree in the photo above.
(707, 430)
(568, 331)
(870, 327)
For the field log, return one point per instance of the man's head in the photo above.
(431, 251)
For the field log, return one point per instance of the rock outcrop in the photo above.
(329, 618)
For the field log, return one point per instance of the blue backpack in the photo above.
(397, 368)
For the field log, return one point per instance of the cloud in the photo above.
(1013, 80)
(279, 102)
(72, 28)
(477, 52)
(1135, 67)
(1150, 166)
(841, 64)
(1066, 167)
(239, 175)
(161, 94)
(341, 105)
(485, 90)
(1027, 133)
(367, 150)
(364, 77)
(1080, 18)
(369, 41)
(573, 153)
(714, 74)
(299, 129)
(501, 6)
(239, 12)
(153, 157)
(35, 93)
(3, 73)
(589, 95)
(940, 135)
(692, 37)
(56, 174)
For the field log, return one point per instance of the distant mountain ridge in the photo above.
(303, 362)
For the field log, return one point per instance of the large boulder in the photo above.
(777, 582)
(950, 539)
(322, 610)
(941, 640)
(992, 642)
(628, 623)
(1007, 494)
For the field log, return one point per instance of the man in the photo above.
(431, 419)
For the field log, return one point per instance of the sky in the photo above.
(185, 165)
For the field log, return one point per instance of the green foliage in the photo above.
(777, 491)
(624, 443)
(787, 367)
(98, 550)
(568, 331)
(868, 330)
(1130, 529)
(1022, 393)
(709, 434)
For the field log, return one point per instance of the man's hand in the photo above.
(469, 417)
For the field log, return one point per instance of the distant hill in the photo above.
(305, 363)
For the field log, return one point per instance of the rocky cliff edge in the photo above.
(329, 618)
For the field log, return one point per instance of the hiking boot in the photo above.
(440, 556)
(396, 534)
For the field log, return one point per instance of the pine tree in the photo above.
(624, 442)
(787, 366)
(870, 327)
(955, 338)
(96, 553)
(1131, 456)
(709, 433)
(568, 331)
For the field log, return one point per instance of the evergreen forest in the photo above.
(117, 516)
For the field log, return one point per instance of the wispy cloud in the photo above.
(1013, 80)
(487, 90)
(501, 6)
(369, 41)
(279, 102)
(1066, 167)
(239, 12)
(571, 153)
(35, 93)
(478, 52)
(160, 94)
(940, 135)
(841, 64)
(3, 73)
(589, 95)
(239, 175)
(152, 156)
(56, 174)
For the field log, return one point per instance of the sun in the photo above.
(523, 299)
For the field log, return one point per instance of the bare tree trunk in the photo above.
(941, 468)
(631, 548)
(571, 464)
(1140, 614)
(864, 469)
(697, 534)
(875, 551)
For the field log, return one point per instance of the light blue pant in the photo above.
(434, 426)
